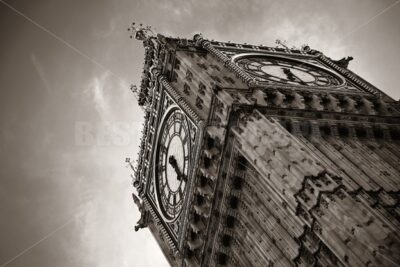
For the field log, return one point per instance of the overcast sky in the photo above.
(68, 119)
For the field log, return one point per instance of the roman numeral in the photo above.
(184, 139)
(165, 137)
(180, 193)
(164, 185)
(164, 199)
(173, 117)
(180, 129)
(171, 132)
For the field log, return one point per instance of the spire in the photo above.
(141, 32)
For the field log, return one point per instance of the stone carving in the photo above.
(344, 62)
(145, 216)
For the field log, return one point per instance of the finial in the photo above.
(197, 36)
(140, 32)
(281, 43)
(134, 89)
(128, 160)
(305, 48)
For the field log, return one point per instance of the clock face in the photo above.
(288, 71)
(172, 162)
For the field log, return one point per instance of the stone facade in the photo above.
(282, 174)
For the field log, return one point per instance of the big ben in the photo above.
(265, 156)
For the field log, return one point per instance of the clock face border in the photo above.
(174, 230)
(341, 80)
(168, 112)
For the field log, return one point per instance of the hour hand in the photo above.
(174, 164)
(288, 73)
(291, 76)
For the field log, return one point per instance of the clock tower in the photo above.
(265, 156)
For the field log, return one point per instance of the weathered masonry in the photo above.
(261, 156)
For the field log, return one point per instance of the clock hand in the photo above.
(172, 161)
(291, 76)
(288, 73)
(174, 164)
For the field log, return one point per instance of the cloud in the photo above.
(40, 71)
(96, 90)
(107, 93)
(107, 215)
(106, 33)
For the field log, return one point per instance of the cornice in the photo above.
(261, 48)
(158, 223)
(351, 76)
(213, 48)
(156, 73)
(244, 76)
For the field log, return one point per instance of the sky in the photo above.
(68, 119)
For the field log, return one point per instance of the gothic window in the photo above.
(230, 221)
(186, 89)
(237, 182)
(226, 240)
(229, 80)
(202, 66)
(215, 67)
(189, 76)
(199, 102)
(177, 64)
(216, 78)
(202, 89)
(233, 202)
